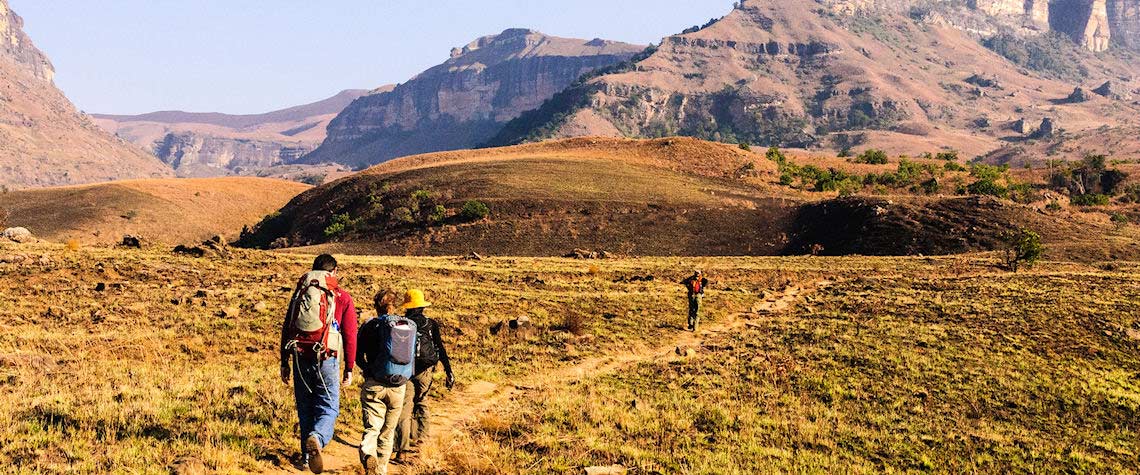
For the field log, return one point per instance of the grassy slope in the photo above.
(167, 211)
(939, 363)
(911, 372)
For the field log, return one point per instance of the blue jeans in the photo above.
(316, 389)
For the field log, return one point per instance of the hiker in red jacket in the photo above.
(319, 331)
(696, 285)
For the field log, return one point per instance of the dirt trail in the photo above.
(450, 415)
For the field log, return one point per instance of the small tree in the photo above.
(474, 210)
(1022, 247)
(872, 157)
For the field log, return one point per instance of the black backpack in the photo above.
(427, 355)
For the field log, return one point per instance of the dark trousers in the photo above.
(694, 310)
(413, 424)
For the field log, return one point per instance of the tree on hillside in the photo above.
(1022, 247)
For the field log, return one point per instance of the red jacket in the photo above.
(346, 318)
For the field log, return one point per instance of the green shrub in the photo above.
(1090, 199)
(1120, 219)
(987, 187)
(437, 215)
(954, 167)
(949, 156)
(872, 157)
(1053, 206)
(340, 225)
(745, 146)
(404, 215)
(988, 172)
(774, 154)
(474, 210)
(1022, 247)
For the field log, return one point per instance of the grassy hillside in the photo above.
(808, 365)
(675, 196)
(168, 211)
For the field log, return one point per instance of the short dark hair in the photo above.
(325, 262)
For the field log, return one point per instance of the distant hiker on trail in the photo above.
(413, 425)
(696, 285)
(319, 331)
(387, 357)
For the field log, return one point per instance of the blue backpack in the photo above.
(393, 359)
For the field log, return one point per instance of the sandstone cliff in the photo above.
(1124, 20)
(777, 73)
(213, 144)
(466, 100)
(44, 141)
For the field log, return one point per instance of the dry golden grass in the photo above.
(1017, 371)
(169, 211)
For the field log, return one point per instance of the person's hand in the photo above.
(347, 379)
(450, 381)
(285, 374)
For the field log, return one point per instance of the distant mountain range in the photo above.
(906, 76)
(212, 144)
(44, 140)
(466, 100)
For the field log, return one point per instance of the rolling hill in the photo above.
(167, 210)
(675, 196)
(213, 144)
(44, 140)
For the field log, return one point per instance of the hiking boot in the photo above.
(313, 450)
(371, 465)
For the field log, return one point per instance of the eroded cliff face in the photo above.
(18, 48)
(464, 101)
(194, 155)
(44, 141)
(1124, 21)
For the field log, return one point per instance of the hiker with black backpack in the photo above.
(696, 285)
(319, 331)
(430, 351)
(386, 355)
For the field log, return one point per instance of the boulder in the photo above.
(607, 470)
(260, 307)
(229, 312)
(188, 466)
(582, 254)
(1079, 95)
(519, 322)
(984, 81)
(1021, 126)
(1112, 91)
(1046, 130)
(17, 235)
(131, 241)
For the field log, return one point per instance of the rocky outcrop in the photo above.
(16, 47)
(213, 144)
(44, 140)
(1112, 91)
(1124, 21)
(466, 100)
(194, 155)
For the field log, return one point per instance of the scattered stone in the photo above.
(533, 281)
(1046, 129)
(1133, 334)
(984, 81)
(190, 251)
(18, 235)
(260, 307)
(606, 255)
(215, 246)
(1079, 95)
(201, 294)
(1021, 126)
(1111, 91)
(474, 256)
(582, 254)
(188, 466)
(280, 243)
(229, 312)
(610, 470)
(12, 259)
(132, 242)
(100, 287)
(519, 322)
(685, 352)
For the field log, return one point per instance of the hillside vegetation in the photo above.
(168, 210)
(679, 196)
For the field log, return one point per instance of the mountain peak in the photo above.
(15, 46)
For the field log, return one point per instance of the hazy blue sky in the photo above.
(245, 56)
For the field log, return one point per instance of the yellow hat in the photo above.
(415, 299)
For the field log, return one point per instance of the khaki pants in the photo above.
(414, 419)
(381, 406)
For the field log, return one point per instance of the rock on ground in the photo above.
(18, 235)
